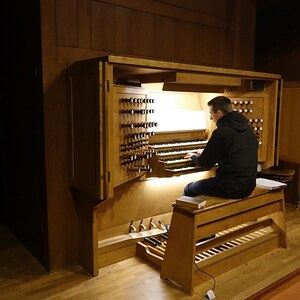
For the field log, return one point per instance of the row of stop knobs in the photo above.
(136, 100)
(242, 106)
(242, 102)
(140, 125)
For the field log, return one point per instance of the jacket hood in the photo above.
(234, 120)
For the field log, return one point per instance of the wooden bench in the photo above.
(244, 228)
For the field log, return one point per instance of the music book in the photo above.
(270, 184)
(191, 202)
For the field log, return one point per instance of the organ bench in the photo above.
(245, 229)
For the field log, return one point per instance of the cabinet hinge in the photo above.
(106, 85)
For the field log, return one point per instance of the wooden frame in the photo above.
(262, 209)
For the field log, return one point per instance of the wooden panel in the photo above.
(84, 26)
(209, 14)
(289, 138)
(134, 61)
(141, 33)
(116, 255)
(285, 115)
(85, 140)
(220, 8)
(143, 199)
(292, 191)
(244, 33)
(118, 29)
(245, 51)
(66, 23)
(84, 124)
(207, 79)
(184, 40)
(103, 26)
(122, 34)
(164, 47)
(221, 52)
(87, 237)
(135, 32)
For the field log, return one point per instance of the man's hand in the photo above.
(190, 154)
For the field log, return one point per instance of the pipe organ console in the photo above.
(131, 123)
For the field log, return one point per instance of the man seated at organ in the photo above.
(233, 146)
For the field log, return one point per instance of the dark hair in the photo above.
(221, 103)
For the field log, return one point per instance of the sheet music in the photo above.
(269, 184)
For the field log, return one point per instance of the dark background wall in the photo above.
(23, 205)
(277, 47)
(278, 51)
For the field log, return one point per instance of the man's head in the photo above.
(218, 107)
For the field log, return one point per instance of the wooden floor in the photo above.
(21, 277)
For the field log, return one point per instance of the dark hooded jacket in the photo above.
(233, 146)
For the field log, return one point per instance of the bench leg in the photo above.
(279, 224)
(179, 259)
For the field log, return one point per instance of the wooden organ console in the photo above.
(131, 123)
